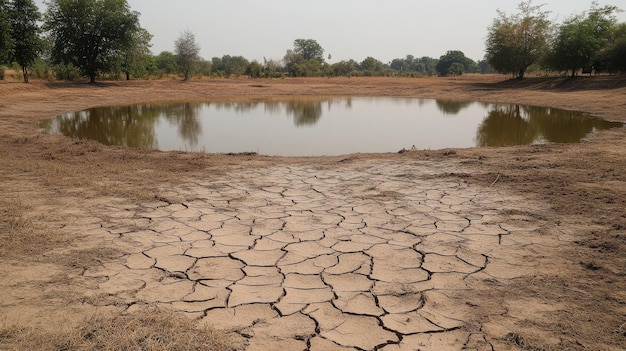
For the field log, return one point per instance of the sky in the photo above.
(346, 29)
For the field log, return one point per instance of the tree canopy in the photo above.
(515, 42)
(614, 55)
(580, 40)
(455, 63)
(135, 59)
(187, 52)
(309, 49)
(6, 38)
(90, 34)
(27, 44)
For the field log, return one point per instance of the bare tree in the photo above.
(187, 52)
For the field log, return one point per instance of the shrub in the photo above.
(67, 72)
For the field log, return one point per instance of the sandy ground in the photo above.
(517, 248)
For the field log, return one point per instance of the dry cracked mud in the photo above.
(430, 250)
(368, 256)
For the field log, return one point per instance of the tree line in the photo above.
(104, 39)
(591, 42)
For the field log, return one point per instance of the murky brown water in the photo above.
(332, 126)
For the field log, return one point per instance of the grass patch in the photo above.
(19, 236)
(150, 329)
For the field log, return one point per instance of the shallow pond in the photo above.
(330, 126)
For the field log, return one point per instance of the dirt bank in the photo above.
(513, 248)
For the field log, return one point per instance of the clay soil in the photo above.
(555, 278)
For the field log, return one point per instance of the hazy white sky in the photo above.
(346, 29)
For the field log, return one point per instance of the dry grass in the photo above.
(150, 329)
(19, 236)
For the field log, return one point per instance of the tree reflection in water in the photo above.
(507, 125)
(452, 107)
(131, 126)
(305, 113)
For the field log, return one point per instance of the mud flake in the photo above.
(360, 303)
(166, 290)
(242, 294)
(139, 261)
(174, 263)
(321, 344)
(259, 258)
(349, 262)
(348, 282)
(216, 268)
(451, 340)
(239, 317)
(401, 302)
(308, 249)
(359, 331)
(442, 264)
(409, 323)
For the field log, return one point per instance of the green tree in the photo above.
(426, 65)
(272, 68)
(454, 63)
(6, 39)
(166, 62)
(581, 39)
(614, 56)
(371, 66)
(204, 68)
(90, 34)
(515, 42)
(254, 69)
(135, 59)
(344, 68)
(484, 67)
(234, 65)
(23, 17)
(309, 49)
(187, 52)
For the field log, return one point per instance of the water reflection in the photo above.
(305, 113)
(507, 125)
(450, 107)
(324, 126)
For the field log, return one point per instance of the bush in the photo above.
(67, 72)
(41, 70)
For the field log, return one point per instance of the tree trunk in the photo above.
(25, 72)
(127, 75)
(92, 78)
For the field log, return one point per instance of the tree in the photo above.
(135, 58)
(371, 66)
(454, 63)
(614, 56)
(166, 62)
(254, 69)
(188, 53)
(309, 49)
(581, 39)
(90, 34)
(515, 42)
(344, 68)
(272, 68)
(484, 67)
(23, 17)
(6, 39)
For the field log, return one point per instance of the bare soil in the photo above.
(56, 195)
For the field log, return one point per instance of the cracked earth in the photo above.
(297, 257)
